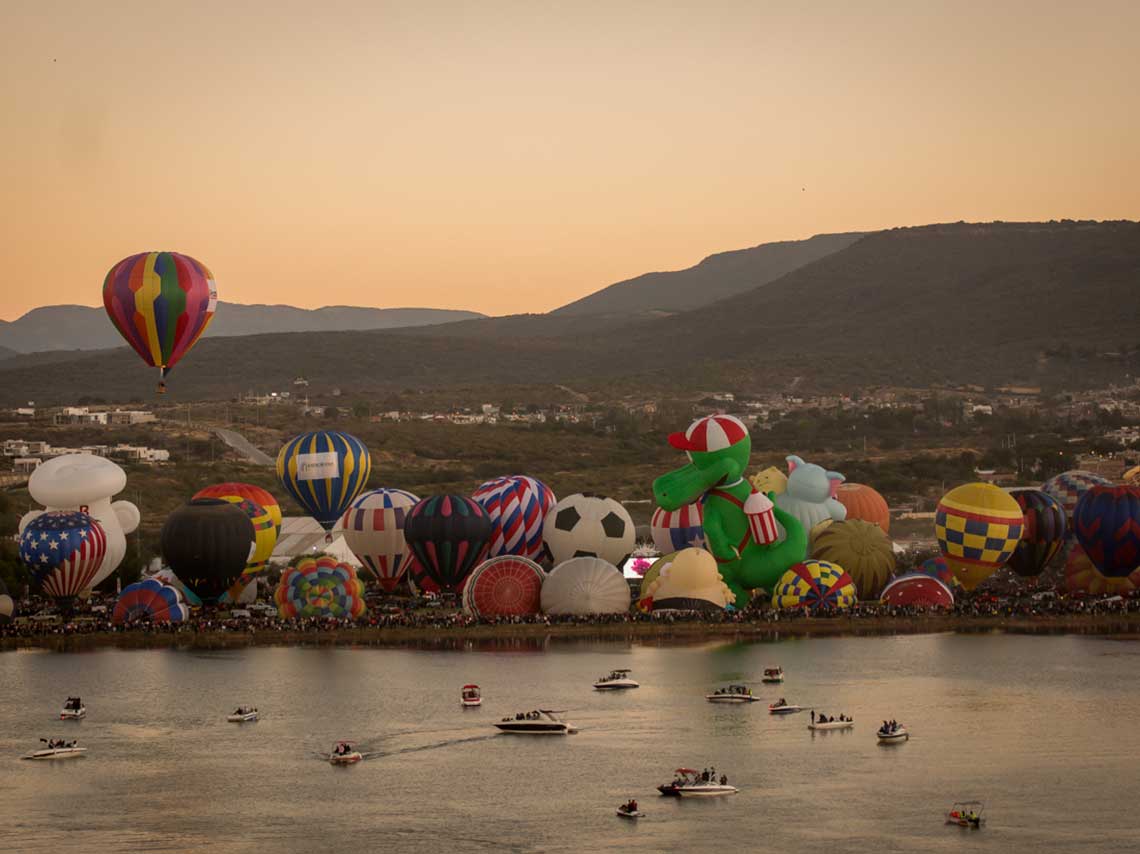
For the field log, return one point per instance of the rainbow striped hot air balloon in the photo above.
(152, 600)
(978, 525)
(324, 471)
(161, 303)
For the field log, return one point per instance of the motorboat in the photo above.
(345, 753)
(689, 783)
(629, 810)
(617, 680)
(732, 694)
(966, 814)
(892, 734)
(57, 750)
(783, 707)
(73, 710)
(820, 725)
(536, 722)
(470, 696)
(773, 674)
(242, 714)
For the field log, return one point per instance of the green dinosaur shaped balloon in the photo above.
(719, 448)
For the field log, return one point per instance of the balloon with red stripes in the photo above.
(448, 534)
(373, 529)
(63, 549)
(517, 506)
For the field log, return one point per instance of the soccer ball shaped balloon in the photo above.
(585, 525)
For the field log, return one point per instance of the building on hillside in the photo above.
(78, 415)
(137, 454)
(26, 465)
(24, 412)
(130, 416)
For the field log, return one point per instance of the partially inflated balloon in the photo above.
(373, 529)
(63, 549)
(978, 525)
(320, 587)
(1068, 488)
(207, 543)
(161, 303)
(814, 584)
(504, 586)
(324, 471)
(264, 533)
(917, 589)
(585, 585)
(1043, 534)
(152, 600)
(1107, 522)
(1082, 576)
(864, 503)
(448, 534)
(861, 548)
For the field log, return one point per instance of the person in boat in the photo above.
(724, 779)
(813, 716)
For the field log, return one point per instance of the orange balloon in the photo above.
(1082, 576)
(865, 504)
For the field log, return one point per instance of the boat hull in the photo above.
(615, 686)
(242, 719)
(470, 704)
(630, 815)
(349, 759)
(721, 698)
(829, 727)
(894, 737)
(533, 730)
(64, 753)
(784, 710)
(706, 791)
(72, 715)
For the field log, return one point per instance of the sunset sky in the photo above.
(513, 156)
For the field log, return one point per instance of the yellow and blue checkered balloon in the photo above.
(978, 525)
(814, 584)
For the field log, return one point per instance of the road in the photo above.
(242, 446)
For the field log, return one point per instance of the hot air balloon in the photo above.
(320, 587)
(936, 567)
(814, 584)
(978, 525)
(161, 303)
(1043, 533)
(63, 549)
(324, 471)
(1107, 523)
(1082, 576)
(1132, 476)
(504, 586)
(644, 602)
(679, 529)
(448, 534)
(585, 585)
(7, 606)
(517, 507)
(374, 530)
(586, 525)
(236, 489)
(917, 589)
(864, 503)
(1068, 488)
(689, 582)
(418, 578)
(862, 549)
(264, 534)
(166, 576)
(152, 600)
(207, 543)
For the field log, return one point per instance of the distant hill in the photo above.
(716, 277)
(5, 352)
(1050, 304)
(80, 327)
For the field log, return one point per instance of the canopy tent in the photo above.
(303, 536)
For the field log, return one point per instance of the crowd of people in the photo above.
(409, 614)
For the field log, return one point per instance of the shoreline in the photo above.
(537, 635)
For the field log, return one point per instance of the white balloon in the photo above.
(585, 585)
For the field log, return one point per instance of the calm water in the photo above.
(1041, 728)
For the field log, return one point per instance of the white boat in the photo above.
(783, 707)
(243, 714)
(73, 710)
(824, 726)
(69, 750)
(617, 680)
(345, 753)
(625, 812)
(537, 722)
(732, 694)
(966, 814)
(773, 674)
(893, 736)
(688, 784)
(470, 696)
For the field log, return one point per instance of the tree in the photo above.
(331, 413)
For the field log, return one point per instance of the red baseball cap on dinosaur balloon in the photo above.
(712, 433)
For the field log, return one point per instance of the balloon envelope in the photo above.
(678, 529)
(585, 585)
(320, 587)
(152, 600)
(374, 530)
(237, 489)
(1043, 534)
(1082, 576)
(324, 471)
(207, 543)
(1107, 523)
(63, 549)
(978, 525)
(861, 548)
(7, 606)
(504, 586)
(448, 534)
(161, 303)
(814, 584)
(586, 525)
(517, 506)
(917, 589)
(690, 581)
(865, 504)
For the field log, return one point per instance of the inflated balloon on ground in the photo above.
(865, 504)
(504, 586)
(585, 585)
(1068, 488)
(587, 525)
(862, 549)
(810, 494)
(448, 534)
(977, 525)
(1082, 576)
(1043, 534)
(373, 529)
(517, 507)
(324, 471)
(207, 543)
(7, 606)
(63, 550)
(320, 587)
(1107, 523)
(814, 584)
(151, 600)
(688, 582)
(917, 590)
(677, 529)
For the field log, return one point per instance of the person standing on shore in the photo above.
(813, 716)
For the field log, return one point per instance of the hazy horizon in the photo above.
(513, 157)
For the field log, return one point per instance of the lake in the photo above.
(1039, 727)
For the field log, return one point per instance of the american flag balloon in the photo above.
(517, 506)
(63, 549)
(678, 529)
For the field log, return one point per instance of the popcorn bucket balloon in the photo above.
(761, 518)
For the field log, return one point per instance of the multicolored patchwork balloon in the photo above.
(517, 506)
(152, 600)
(320, 587)
(1043, 534)
(374, 530)
(63, 549)
(814, 584)
(161, 303)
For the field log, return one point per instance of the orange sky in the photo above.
(513, 156)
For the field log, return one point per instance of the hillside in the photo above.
(81, 327)
(1038, 303)
(716, 277)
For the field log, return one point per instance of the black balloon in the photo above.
(448, 535)
(206, 542)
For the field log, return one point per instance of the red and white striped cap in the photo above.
(712, 433)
